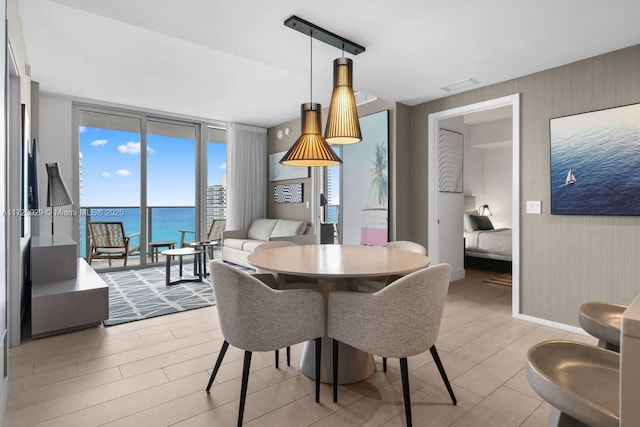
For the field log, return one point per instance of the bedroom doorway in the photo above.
(445, 227)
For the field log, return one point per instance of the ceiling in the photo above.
(236, 61)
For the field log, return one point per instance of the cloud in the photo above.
(99, 142)
(133, 148)
(122, 172)
(106, 174)
(129, 148)
(223, 166)
(82, 129)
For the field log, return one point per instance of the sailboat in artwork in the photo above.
(571, 178)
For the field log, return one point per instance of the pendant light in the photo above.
(343, 126)
(310, 149)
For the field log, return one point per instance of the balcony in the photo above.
(163, 224)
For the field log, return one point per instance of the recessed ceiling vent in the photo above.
(459, 85)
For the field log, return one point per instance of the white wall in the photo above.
(450, 214)
(498, 179)
(488, 168)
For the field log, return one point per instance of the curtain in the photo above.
(246, 175)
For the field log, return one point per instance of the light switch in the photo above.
(534, 207)
(307, 204)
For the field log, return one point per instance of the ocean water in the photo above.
(165, 223)
(604, 156)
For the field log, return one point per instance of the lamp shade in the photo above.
(57, 193)
(311, 149)
(484, 210)
(343, 126)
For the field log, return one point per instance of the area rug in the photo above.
(503, 279)
(141, 294)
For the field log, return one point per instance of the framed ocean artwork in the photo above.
(595, 159)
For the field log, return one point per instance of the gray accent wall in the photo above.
(565, 260)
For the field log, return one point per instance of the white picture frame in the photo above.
(279, 172)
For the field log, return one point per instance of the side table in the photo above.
(197, 264)
(155, 246)
(208, 247)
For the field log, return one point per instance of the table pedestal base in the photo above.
(353, 365)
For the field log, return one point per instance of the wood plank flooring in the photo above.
(153, 373)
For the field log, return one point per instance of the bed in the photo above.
(485, 246)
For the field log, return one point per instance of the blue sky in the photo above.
(111, 168)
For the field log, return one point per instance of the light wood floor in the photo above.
(153, 373)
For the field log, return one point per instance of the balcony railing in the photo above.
(163, 222)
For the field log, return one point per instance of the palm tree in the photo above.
(380, 181)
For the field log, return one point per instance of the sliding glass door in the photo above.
(141, 171)
(109, 173)
(171, 178)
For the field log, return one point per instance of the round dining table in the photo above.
(335, 267)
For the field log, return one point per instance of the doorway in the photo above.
(439, 234)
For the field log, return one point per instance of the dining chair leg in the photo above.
(318, 359)
(404, 372)
(223, 350)
(243, 388)
(277, 359)
(288, 356)
(384, 364)
(335, 371)
(443, 374)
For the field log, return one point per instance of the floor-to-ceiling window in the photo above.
(142, 171)
(216, 174)
(110, 165)
(171, 177)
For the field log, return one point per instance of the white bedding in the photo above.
(496, 241)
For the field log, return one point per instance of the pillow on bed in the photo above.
(480, 222)
(467, 221)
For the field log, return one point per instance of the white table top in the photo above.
(181, 252)
(338, 261)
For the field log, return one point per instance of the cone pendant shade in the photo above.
(343, 126)
(311, 149)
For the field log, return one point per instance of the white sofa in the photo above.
(237, 245)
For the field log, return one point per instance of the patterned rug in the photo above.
(141, 294)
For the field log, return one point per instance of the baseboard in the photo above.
(551, 324)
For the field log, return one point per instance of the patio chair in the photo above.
(214, 234)
(107, 241)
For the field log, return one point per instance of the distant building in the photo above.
(216, 203)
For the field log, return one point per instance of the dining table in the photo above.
(337, 268)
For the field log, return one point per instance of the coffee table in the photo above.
(335, 267)
(197, 264)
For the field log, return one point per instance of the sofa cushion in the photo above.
(288, 227)
(261, 229)
(236, 243)
(251, 245)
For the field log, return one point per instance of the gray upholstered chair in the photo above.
(374, 285)
(254, 317)
(401, 320)
(274, 281)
